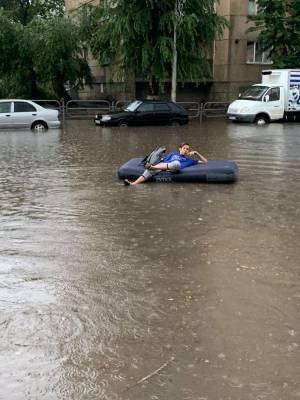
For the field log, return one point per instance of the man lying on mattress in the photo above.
(174, 161)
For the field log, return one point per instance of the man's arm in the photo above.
(202, 159)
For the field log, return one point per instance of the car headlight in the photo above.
(106, 118)
(244, 110)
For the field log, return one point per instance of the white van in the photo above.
(276, 97)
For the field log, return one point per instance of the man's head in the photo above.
(184, 149)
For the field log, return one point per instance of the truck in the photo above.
(277, 97)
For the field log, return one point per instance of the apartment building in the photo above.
(237, 61)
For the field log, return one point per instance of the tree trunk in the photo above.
(60, 91)
(174, 67)
(24, 11)
(32, 84)
(154, 88)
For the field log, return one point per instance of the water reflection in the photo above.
(101, 284)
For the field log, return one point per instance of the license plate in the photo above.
(232, 117)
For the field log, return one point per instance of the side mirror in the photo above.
(267, 98)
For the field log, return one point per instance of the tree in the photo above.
(137, 36)
(16, 68)
(278, 22)
(178, 14)
(41, 57)
(25, 11)
(59, 57)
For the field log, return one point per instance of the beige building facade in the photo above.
(237, 61)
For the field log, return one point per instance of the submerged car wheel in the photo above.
(123, 123)
(261, 119)
(39, 125)
(175, 122)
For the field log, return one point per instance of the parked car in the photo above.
(26, 113)
(147, 112)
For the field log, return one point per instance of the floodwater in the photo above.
(162, 291)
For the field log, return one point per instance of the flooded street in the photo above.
(155, 292)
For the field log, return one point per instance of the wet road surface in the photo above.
(162, 291)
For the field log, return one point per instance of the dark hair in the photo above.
(183, 144)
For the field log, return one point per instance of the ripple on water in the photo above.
(100, 283)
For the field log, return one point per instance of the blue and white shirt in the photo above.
(184, 161)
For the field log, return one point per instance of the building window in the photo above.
(252, 7)
(255, 55)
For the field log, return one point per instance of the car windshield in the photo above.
(254, 93)
(132, 106)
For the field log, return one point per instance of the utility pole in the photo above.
(178, 15)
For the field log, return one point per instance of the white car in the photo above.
(26, 113)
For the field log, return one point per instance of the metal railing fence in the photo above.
(214, 109)
(117, 105)
(193, 108)
(83, 109)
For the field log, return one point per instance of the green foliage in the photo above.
(40, 58)
(25, 11)
(16, 71)
(58, 56)
(137, 36)
(278, 22)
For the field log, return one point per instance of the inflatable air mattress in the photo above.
(212, 171)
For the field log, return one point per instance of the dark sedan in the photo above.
(146, 112)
